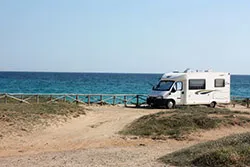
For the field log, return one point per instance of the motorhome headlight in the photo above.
(159, 97)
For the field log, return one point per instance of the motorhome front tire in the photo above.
(170, 104)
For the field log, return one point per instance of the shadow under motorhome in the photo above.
(191, 88)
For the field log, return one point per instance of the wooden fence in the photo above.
(89, 99)
(101, 99)
(245, 101)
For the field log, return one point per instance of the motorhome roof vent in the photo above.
(188, 70)
(203, 71)
(209, 70)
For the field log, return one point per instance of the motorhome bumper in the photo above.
(154, 101)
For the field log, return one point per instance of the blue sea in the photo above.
(95, 83)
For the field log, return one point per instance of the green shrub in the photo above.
(181, 122)
(229, 151)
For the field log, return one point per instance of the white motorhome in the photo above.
(191, 88)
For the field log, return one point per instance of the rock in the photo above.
(134, 137)
(23, 129)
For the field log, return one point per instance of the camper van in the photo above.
(191, 88)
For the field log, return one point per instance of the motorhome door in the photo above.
(177, 93)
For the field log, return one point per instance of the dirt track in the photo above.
(92, 140)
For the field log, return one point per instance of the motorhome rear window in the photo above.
(195, 84)
(219, 83)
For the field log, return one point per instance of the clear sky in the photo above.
(141, 36)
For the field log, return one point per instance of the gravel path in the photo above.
(112, 157)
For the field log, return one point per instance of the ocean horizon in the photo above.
(101, 72)
(95, 82)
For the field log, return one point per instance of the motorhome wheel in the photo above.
(212, 105)
(170, 104)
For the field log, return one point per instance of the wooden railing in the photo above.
(245, 101)
(90, 99)
(101, 99)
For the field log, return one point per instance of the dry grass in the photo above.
(229, 151)
(26, 117)
(181, 122)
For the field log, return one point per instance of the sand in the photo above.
(93, 140)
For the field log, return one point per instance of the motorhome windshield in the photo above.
(164, 86)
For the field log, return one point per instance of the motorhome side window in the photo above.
(197, 84)
(219, 83)
(179, 85)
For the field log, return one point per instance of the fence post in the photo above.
(114, 98)
(64, 98)
(101, 99)
(125, 101)
(37, 99)
(50, 97)
(21, 99)
(76, 99)
(137, 100)
(234, 102)
(5, 98)
(247, 102)
(88, 99)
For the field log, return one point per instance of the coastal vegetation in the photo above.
(228, 151)
(25, 117)
(180, 123)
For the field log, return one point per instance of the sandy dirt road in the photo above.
(98, 128)
(92, 140)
